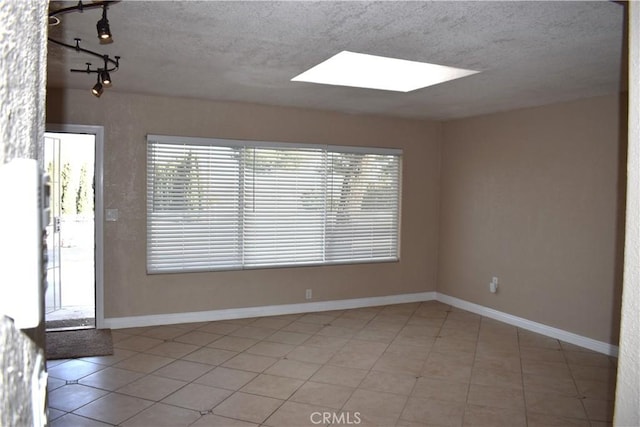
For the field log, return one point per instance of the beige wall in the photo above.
(129, 291)
(532, 196)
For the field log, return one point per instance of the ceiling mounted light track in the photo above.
(104, 34)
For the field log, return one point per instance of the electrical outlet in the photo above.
(308, 294)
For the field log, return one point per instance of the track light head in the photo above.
(104, 32)
(106, 78)
(103, 74)
(97, 88)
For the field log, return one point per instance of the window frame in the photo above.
(244, 144)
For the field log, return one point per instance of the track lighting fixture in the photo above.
(104, 75)
(97, 88)
(106, 78)
(104, 34)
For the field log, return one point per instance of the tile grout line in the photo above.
(524, 394)
(342, 408)
(425, 360)
(575, 384)
(323, 364)
(473, 364)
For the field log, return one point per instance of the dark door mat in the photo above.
(80, 343)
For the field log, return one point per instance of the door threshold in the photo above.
(70, 324)
(70, 328)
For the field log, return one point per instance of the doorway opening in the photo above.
(70, 299)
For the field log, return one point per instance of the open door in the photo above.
(70, 303)
(53, 296)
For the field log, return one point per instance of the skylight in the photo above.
(379, 72)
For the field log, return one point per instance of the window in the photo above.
(224, 204)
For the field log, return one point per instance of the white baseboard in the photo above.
(570, 337)
(275, 310)
(270, 310)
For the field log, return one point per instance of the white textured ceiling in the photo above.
(529, 53)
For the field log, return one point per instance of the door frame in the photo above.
(98, 132)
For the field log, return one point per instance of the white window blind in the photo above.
(224, 204)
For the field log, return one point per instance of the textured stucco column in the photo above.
(627, 410)
(23, 50)
(23, 54)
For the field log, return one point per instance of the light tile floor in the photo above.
(418, 364)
